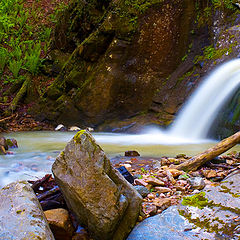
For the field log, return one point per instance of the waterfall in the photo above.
(198, 114)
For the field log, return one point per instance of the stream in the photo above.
(38, 150)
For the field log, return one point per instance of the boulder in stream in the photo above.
(103, 201)
(21, 215)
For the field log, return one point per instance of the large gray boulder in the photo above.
(216, 217)
(101, 198)
(21, 215)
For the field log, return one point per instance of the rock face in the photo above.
(119, 53)
(151, 53)
(216, 217)
(21, 215)
(101, 198)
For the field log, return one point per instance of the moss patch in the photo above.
(198, 200)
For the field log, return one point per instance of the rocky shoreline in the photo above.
(159, 185)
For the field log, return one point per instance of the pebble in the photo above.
(163, 189)
(196, 182)
(143, 191)
(132, 154)
(154, 181)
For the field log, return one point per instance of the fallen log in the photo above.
(195, 162)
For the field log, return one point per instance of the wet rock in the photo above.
(60, 127)
(74, 129)
(209, 173)
(60, 223)
(214, 216)
(90, 129)
(132, 154)
(140, 182)
(143, 191)
(12, 143)
(21, 216)
(163, 189)
(3, 145)
(175, 173)
(154, 181)
(196, 182)
(162, 203)
(88, 181)
(168, 225)
(126, 174)
(149, 209)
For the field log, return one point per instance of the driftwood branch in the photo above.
(195, 162)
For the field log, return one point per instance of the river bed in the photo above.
(38, 150)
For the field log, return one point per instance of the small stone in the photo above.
(60, 127)
(196, 183)
(163, 189)
(60, 223)
(143, 191)
(164, 161)
(154, 181)
(90, 129)
(175, 172)
(127, 166)
(181, 155)
(209, 173)
(132, 154)
(170, 177)
(150, 209)
(162, 203)
(151, 196)
(179, 188)
(140, 182)
(172, 160)
(74, 129)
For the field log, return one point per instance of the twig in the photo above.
(5, 104)
(38, 183)
(52, 191)
(8, 118)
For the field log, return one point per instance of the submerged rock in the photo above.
(101, 198)
(21, 215)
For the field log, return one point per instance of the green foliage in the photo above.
(21, 43)
(15, 66)
(211, 53)
(198, 200)
(3, 58)
(32, 58)
(223, 4)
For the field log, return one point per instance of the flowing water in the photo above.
(37, 150)
(198, 114)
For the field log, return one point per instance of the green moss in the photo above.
(227, 190)
(77, 137)
(129, 12)
(198, 200)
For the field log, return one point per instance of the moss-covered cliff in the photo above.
(135, 60)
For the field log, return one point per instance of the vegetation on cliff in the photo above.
(116, 51)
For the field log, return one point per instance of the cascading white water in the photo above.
(197, 115)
